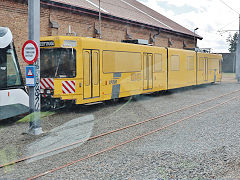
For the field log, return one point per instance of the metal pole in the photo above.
(238, 55)
(34, 92)
(195, 44)
(194, 40)
(100, 20)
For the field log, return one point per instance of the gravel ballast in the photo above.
(203, 147)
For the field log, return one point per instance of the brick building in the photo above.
(121, 19)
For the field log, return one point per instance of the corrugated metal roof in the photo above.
(130, 10)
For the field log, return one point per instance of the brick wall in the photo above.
(14, 15)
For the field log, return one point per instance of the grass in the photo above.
(8, 154)
(31, 116)
(1, 128)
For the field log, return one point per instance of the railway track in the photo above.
(129, 126)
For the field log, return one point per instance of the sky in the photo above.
(212, 17)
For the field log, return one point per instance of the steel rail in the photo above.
(113, 131)
(131, 140)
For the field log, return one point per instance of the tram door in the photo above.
(91, 85)
(205, 69)
(147, 71)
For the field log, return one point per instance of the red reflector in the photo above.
(8, 93)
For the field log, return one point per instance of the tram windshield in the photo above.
(58, 63)
(10, 75)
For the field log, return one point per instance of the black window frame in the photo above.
(21, 85)
(42, 73)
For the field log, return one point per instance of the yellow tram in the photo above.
(88, 70)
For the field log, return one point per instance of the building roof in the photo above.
(131, 10)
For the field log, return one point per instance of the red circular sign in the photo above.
(30, 52)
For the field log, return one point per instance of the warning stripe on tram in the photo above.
(68, 87)
(47, 83)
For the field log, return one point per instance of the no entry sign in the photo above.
(30, 52)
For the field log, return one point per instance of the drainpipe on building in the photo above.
(154, 36)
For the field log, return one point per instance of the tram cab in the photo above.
(13, 98)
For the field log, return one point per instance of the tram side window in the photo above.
(9, 72)
(190, 63)
(175, 63)
(158, 63)
(13, 74)
(213, 64)
(3, 69)
(116, 61)
(201, 64)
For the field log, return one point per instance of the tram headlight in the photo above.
(48, 91)
(42, 91)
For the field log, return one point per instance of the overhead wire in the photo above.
(220, 31)
(229, 7)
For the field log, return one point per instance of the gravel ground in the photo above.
(203, 147)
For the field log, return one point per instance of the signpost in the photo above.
(31, 55)
(30, 52)
(30, 76)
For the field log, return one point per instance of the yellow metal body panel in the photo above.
(144, 69)
(179, 75)
(209, 68)
(160, 70)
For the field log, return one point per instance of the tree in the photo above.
(232, 42)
